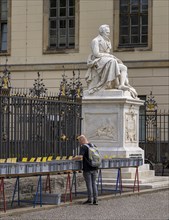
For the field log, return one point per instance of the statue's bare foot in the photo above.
(123, 87)
(91, 91)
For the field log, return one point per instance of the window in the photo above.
(133, 24)
(4, 26)
(60, 25)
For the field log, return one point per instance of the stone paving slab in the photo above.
(148, 204)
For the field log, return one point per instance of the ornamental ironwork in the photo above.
(151, 104)
(5, 79)
(73, 88)
(39, 88)
(34, 123)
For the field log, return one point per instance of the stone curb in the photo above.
(23, 210)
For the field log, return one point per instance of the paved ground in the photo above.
(148, 205)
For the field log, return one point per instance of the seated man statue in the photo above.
(104, 69)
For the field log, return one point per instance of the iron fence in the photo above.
(38, 126)
(154, 135)
(34, 124)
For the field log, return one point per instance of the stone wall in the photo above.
(28, 185)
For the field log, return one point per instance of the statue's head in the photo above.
(104, 29)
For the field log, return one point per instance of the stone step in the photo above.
(147, 183)
(157, 185)
(146, 180)
(128, 175)
(112, 186)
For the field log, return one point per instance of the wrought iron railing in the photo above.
(154, 136)
(31, 127)
(34, 124)
(154, 132)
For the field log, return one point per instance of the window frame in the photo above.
(46, 47)
(116, 30)
(8, 22)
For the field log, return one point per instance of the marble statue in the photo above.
(105, 71)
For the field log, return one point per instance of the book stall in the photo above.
(39, 167)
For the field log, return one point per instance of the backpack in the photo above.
(94, 155)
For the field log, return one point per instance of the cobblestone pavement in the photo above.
(150, 206)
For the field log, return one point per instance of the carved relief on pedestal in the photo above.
(131, 126)
(101, 126)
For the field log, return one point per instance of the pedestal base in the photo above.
(111, 120)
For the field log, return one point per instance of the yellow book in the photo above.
(9, 160)
(70, 157)
(38, 159)
(44, 159)
(64, 157)
(13, 160)
(58, 158)
(24, 159)
(32, 159)
(50, 158)
(2, 160)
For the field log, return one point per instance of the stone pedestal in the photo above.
(111, 121)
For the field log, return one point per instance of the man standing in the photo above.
(90, 173)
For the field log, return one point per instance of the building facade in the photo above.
(53, 36)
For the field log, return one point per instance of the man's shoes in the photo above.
(87, 202)
(95, 202)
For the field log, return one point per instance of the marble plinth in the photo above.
(111, 121)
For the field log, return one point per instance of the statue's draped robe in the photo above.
(102, 66)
